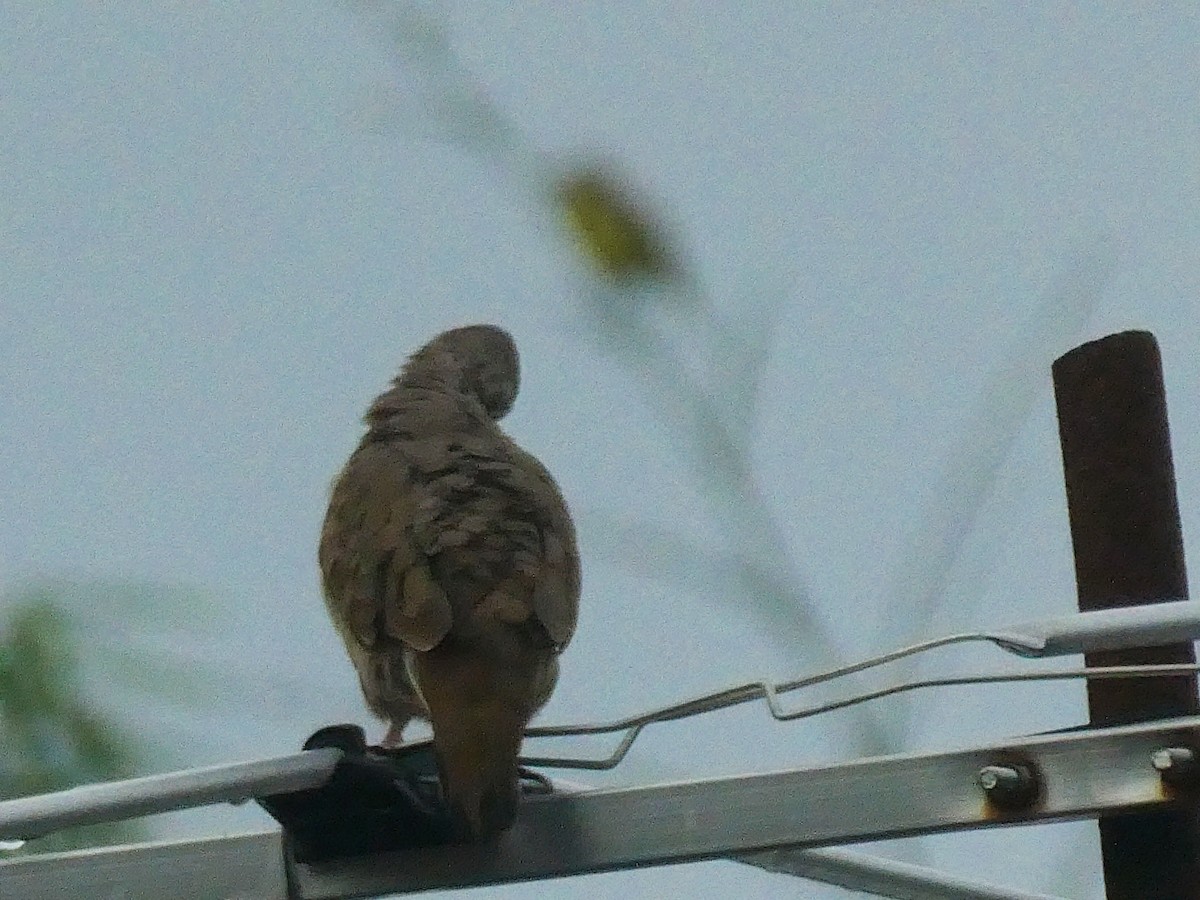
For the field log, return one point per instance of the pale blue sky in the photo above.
(217, 248)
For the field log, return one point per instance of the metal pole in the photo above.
(1128, 548)
(26, 818)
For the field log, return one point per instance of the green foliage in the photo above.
(51, 738)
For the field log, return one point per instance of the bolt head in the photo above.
(1174, 762)
(1010, 786)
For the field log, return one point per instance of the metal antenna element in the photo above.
(28, 817)
(1149, 625)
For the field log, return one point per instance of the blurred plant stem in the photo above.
(977, 451)
(51, 738)
(701, 374)
(934, 545)
(645, 302)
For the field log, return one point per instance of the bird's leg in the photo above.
(395, 734)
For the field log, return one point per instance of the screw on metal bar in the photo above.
(1176, 765)
(995, 778)
(1009, 784)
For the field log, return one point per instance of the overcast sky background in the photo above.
(216, 249)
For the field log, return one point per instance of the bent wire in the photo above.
(1144, 625)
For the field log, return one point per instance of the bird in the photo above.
(450, 569)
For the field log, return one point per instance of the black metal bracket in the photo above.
(378, 799)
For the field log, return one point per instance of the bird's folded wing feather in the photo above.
(377, 581)
(418, 528)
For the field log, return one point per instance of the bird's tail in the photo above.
(479, 710)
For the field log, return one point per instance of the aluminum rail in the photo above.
(29, 817)
(1149, 625)
(250, 866)
(765, 820)
(1071, 775)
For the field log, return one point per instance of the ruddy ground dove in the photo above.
(450, 568)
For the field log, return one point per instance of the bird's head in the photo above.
(480, 361)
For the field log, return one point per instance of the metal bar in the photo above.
(245, 866)
(1073, 775)
(250, 866)
(30, 817)
(879, 876)
(1148, 625)
(1128, 546)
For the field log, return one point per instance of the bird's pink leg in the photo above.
(395, 735)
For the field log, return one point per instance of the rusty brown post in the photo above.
(1112, 420)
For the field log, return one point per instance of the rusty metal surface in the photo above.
(1128, 545)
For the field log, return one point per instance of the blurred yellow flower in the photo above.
(613, 229)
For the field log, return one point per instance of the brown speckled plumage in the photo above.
(450, 567)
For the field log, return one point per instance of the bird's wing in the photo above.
(500, 539)
(425, 536)
(378, 583)
(556, 582)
